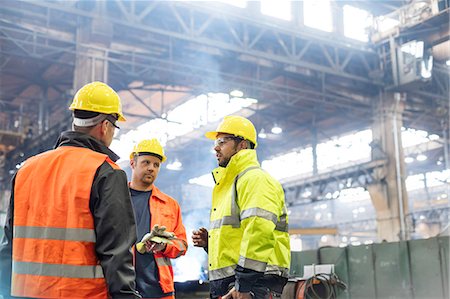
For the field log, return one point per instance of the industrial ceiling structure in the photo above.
(159, 54)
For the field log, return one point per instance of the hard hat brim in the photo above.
(163, 157)
(121, 118)
(211, 135)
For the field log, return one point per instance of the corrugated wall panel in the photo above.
(361, 271)
(426, 269)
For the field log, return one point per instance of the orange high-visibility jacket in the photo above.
(165, 211)
(53, 252)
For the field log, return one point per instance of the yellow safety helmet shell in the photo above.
(237, 126)
(98, 97)
(149, 146)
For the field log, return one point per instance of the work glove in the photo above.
(160, 231)
(156, 240)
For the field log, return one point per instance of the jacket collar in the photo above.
(72, 138)
(239, 162)
(158, 194)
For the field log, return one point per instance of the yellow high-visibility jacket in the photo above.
(248, 221)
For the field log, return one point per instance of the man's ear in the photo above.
(241, 145)
(104, 127)
(132, 163)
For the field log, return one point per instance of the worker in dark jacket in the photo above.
(70, 225)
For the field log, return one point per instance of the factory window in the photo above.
(317, 14)
(356, 23)
(238, 3)
(279, 9)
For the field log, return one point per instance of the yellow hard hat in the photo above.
(149, 146)
(98, 97)
(237, 126)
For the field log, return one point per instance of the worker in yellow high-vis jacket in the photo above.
(248, 241)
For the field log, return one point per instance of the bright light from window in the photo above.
(296, 243)
(175, 165)
(348, 148)
(288, 165)
(409, 160)
(317, 14)
(262, 134)
(384, 24)
(355, 23)
(414, 48)
(434, 178)
(352, 147)
(421, 157)
(236, 93)
(186, 117)
(276, 130)
(433, 137)
(204, 180)
(426, 67)
(187, 268)
(279, 9)
(412, 137)
(237, 3)
(353, 195)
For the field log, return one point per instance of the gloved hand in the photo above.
(160, 231)
(156, 240)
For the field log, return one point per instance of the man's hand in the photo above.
(233, 294)
(155, 247)
(200, 237)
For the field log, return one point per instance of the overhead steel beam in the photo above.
(226, 31)
(137, 65)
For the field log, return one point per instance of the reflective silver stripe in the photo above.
(182, 245)
(163, 261)
(277, 270)
(245, 171)
(53, 233)
(252, 264)
(258, 212)
(221, 273)
(57, 270)
(235, 218)
(226, 220)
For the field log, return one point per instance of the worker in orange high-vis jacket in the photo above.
(70, 226)
(154, 273)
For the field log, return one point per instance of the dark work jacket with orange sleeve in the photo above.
(110, 206)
